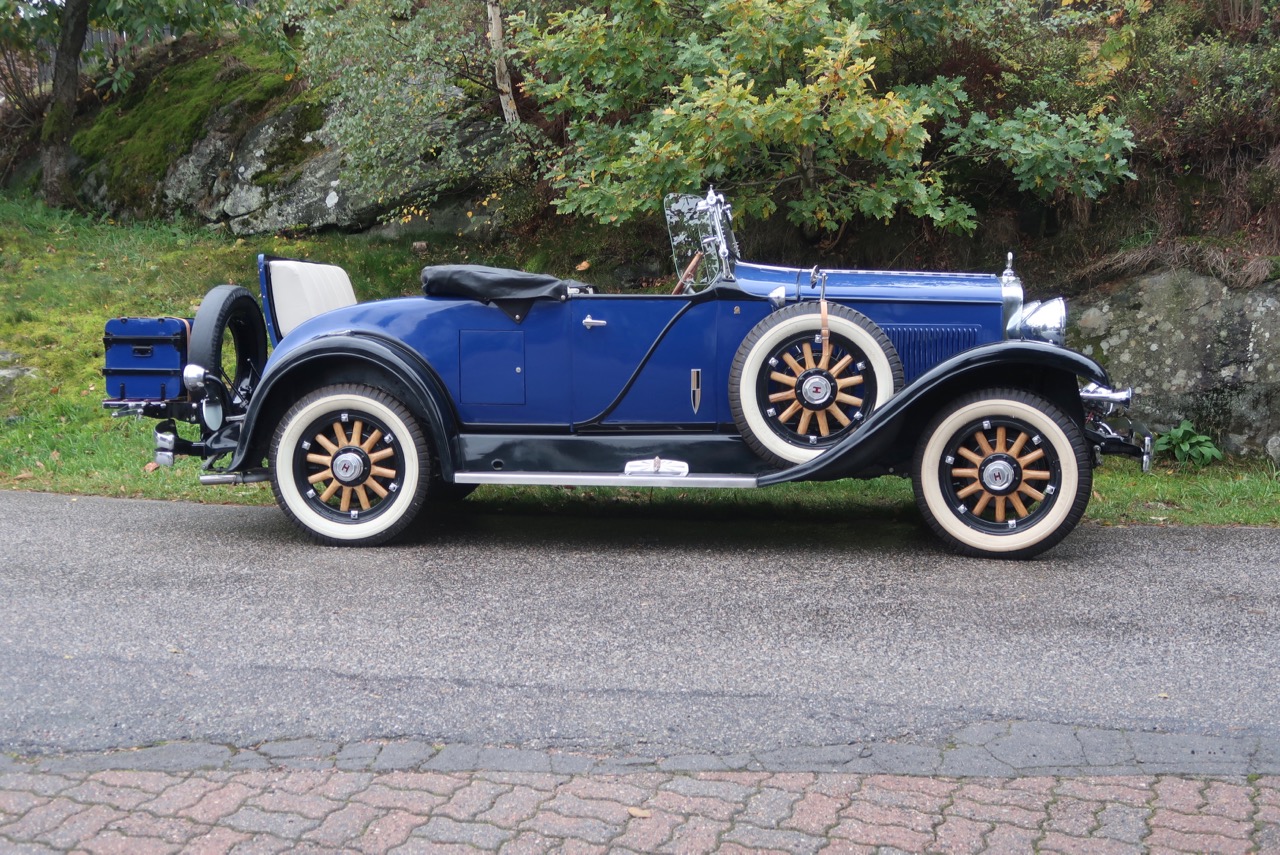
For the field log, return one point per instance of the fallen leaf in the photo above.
(151, 467)
(640, 813)
(23, 476)
(55, 456)
(1164, 696)
(586, 265)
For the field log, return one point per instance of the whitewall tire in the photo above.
(1002, 473)
(791, 398)
(350, 465)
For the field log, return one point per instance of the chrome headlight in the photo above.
(1045, 321)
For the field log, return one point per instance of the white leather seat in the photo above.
(303, 289)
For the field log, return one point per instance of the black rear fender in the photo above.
(367, 360)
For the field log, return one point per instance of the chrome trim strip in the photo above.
(593, 479)
(219, 478)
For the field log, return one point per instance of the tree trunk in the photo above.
(501, 76)
(55, 137)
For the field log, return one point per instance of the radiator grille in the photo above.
(920, 347)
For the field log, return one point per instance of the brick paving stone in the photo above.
(472, 800)
(84, 824)
(579, 847)
(700, 786)
(418, 846)
(261, 844)
(914, 784)
(1068, 845)
(1127, 790)
(847, 847)
(704, 806)
(1180, 794)
(995, 794)
(413, 801)
(41, 819)
(389, 831)
(1268, 813)
(149, 782)
(738, 849)
(442, 829)
(882, 835)
(930, 802)
(532, 780)
(1121, 822)
(15, 803)
(281, 801)
(1230, 800)
(997, 813)
(1072, 816)
(512, 808)
(631, 791)
(183, 794)
(959, 835)
(1009, 838)
(343, 825)
(114, 843)
(1042, 784)
(96, 792)
(223, 801)
(647, 833)
(878, 814)
(814, 813)
(216, 841)
(343, 785)
(698, 834)
(792, 782)
(40, 784)
(1200, 824)
(529, 843)
(289, 826)
(1201, 844)
(756, 839)
(436, 783)
(768, 807)
(571, 805)
(837, 786)
(170, 829)
(584, 828)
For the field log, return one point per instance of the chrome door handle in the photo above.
(590, 322)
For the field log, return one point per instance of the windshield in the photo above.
(701, 224)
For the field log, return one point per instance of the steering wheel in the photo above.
(685, 278)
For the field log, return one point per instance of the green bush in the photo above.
(1188, 445)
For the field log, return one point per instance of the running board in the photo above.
(593, 479)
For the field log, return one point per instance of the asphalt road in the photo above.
(125, 623)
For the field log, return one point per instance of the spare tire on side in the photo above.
(792, 398)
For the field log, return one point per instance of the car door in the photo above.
(643, 360)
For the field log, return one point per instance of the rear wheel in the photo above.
(350, 465)
(1002, 473)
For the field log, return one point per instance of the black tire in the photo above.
(782, 357)
(350, 465)
(984, 493)
(229, 315)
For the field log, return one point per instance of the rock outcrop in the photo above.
(1192, 348)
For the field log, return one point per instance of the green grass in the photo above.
(62, 275)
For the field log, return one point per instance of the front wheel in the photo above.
(350, 465)
(1002, 473)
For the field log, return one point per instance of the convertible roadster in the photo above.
(744, 375)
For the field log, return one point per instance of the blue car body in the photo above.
(754, 374)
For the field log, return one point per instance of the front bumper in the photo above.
(1108, 430)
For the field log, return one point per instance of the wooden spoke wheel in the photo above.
(1002, 473)
(349, 465)
(795, 391)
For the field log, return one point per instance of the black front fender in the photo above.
(336, 358)
(891, 431)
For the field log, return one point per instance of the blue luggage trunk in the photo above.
(145, 358)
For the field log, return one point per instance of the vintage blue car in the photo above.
(745, 375)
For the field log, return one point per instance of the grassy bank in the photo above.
(62, 275)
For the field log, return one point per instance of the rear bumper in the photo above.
(1108, 430)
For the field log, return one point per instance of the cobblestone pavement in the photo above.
(405, 796)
